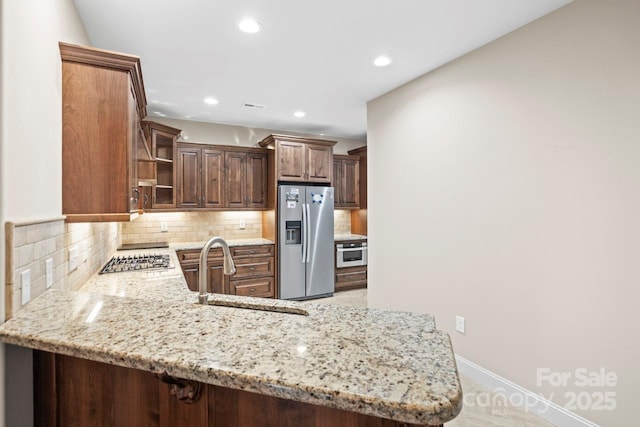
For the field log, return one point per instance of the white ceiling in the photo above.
(310, 56)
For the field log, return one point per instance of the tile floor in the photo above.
(487, 410)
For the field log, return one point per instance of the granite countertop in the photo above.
(395, 365)
(232, 242)
(345, 237)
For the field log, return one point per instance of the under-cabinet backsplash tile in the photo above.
(29, 245)
(192, 226)
(341, 221)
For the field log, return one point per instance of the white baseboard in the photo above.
(555, 414)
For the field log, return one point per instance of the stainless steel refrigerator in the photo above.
(306, 261)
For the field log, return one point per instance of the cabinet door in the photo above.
(215, 277)
(256, 180)
(349, 183)
(235, 171)
(291, 162)
(337, 183)
(212, 176)
(189, 179)
(319, 162)
(191, 272)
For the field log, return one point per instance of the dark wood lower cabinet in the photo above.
(73, 392)
(255, 269)
(351, 278)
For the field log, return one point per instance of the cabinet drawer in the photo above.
(194, 255)
(253, 267)
(351, 278)
(251, 251)
(253, 287)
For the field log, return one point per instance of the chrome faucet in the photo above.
(229, 267)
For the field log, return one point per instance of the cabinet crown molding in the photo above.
(112, 60)
(270, 140)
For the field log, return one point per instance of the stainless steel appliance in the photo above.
(306, 267)
(351, 254)
(136, 262)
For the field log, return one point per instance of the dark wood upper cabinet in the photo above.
(221, 177)
(257, 169)
(189, 178)
(318, 161)
(103, 102)
(236, 177)
(359, 217)
(301, 159)
(162, 141)
(346, 172)
(291, 161)
(212, 178)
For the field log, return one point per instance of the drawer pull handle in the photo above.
(252, 268)
(351, 273)
(252, 289)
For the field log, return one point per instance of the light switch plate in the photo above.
(460, 327)
(164, 227)
(243, 224)
(74, 257)
(25, 286)
(48, 272)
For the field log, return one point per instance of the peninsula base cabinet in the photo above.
(254, 277)
(73, 392)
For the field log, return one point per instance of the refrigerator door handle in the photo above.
(308, 232)
(304, 234)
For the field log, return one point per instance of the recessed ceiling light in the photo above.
(299, 114)
(211, 101)
(249, 26)
(382, 61)
(187, 117)
(158, 113)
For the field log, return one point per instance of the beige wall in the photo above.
(520, 162)
(30, 114)
(214, 133)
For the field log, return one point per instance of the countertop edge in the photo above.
(410, 413)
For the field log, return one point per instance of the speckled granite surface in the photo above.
(390, 364)
(231, 242)
(344, 237)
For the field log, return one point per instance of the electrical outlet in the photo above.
(243, 224)
(460, 324)
(25, 285)
(48, 272)
(164, 227)
(74, 257)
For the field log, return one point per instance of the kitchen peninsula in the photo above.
(136, 346)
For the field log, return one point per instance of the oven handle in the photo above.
(363, 248)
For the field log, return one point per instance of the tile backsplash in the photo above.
(341, 221)
(30, 244)
(199, 226)
(192, 226)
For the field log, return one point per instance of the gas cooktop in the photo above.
(137, 262)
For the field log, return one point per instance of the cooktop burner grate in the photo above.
(137, 262)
